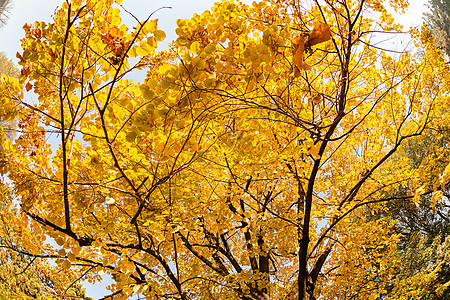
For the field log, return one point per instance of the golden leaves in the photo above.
(320, 33)
(115, 44)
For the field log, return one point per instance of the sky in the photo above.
(29, 11)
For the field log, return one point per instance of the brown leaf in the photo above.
(320, 33)
(25, 72)
(316, 99)
(19, 56)
(28, 86)
(106, 37)
(52, 54)
(297, 54)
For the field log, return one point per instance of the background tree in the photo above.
(5, 6)
(8, 68)
(237, 169)
(24, 276)
(438, 21)
(423, 226)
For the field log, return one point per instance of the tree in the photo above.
(237, 169)
(22, 275)
(423, 226)
(431, 279)
(5, 6)
(439, 23)
(8, 68)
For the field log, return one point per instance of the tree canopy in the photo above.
(239, 168)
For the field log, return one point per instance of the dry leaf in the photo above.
(19, 56)
(316, 99)
(28, 86)
(320, 33)
(299, 47)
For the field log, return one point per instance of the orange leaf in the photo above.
(26, 27)
(320, 33)
(299, 48)
(114, 32)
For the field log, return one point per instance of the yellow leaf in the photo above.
(72, 257)
(159, 35)
(195, 46)
(418, 194)
(131, 136)
(146, 92)
(132, 52)
(59, 241)
(436, 198)
(141, 51)
(210, 48)
(66, 265)
(314, 151)
(151, 26)
(165, 69)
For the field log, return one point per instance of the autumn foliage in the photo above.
(237, 169)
